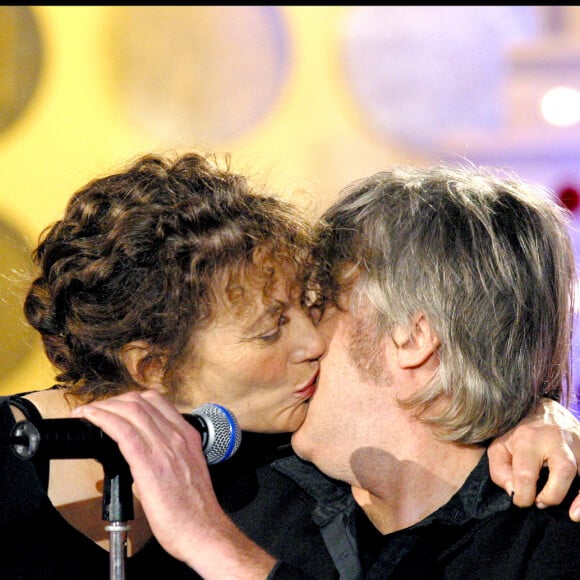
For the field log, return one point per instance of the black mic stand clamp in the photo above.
(79, 439)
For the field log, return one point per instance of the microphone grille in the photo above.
(224, 434)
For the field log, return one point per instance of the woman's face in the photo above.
(261, 361)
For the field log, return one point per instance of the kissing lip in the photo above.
(307, 391)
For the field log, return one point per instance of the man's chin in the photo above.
(298, 444)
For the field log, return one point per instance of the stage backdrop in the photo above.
(307, 98)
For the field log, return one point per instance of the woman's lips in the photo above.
(307, 391)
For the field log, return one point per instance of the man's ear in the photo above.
(416, 344)
(144, 365)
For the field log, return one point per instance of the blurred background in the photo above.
(306, 98)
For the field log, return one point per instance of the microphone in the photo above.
(80, 439)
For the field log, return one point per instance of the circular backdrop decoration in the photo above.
(417, 72)
(198, 73)
(20, 61)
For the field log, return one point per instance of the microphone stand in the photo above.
(78, 438)
(117, 510)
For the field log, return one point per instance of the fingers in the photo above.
(145, 411)
(500, 466)
(575, 509)
(549, 437)
(149, 430)
(562, 471)
(118, 416)
(169, 469)
(519, 473)
(514, 465)
(525, 470)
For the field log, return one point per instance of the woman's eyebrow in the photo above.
(270, 312)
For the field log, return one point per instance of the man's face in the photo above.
(350, 400)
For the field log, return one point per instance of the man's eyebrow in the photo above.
(270, 312)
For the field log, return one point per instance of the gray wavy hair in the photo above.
(487, 259)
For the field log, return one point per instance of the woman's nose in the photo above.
(311, 344)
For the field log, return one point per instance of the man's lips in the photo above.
(307, 391)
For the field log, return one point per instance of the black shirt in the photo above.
(477, 534)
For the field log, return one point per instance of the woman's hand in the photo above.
(550, 436)
(172, 482)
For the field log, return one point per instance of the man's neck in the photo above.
(412, 488)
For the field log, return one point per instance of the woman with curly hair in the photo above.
(177, 275)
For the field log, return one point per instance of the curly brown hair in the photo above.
(141, 255)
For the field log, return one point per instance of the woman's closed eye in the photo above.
(273, 334)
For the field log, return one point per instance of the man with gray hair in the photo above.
(446, 299)
(447, 303)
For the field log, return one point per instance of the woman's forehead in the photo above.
(258, 289)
